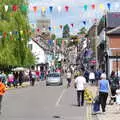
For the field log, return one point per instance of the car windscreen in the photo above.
(53, 75)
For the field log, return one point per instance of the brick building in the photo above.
(108, 31)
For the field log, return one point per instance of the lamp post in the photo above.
(106, 63)
(117, 64)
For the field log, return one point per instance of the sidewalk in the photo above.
(112, 111)
(25, 84)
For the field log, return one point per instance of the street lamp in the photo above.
(117, 63)
(106, 63)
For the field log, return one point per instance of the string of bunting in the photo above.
(10, 34)
(66, 8)
(60, 27)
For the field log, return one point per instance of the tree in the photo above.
(53, 37)
(59, 41)
(83, 30)
(14, 31)
(66, 31)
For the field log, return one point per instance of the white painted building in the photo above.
(38, 52)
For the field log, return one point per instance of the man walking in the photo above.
(69, 78)
(2, 91)
(80, 82)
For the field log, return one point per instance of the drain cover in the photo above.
(56, 116)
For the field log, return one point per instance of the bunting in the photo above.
(24, 7)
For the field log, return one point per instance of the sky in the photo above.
(76, 14)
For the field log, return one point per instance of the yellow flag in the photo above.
(102, 6)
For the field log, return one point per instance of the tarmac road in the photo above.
(42, 103)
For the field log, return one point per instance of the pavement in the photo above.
(112, 111)
(25, 84)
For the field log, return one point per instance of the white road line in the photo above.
(59, 99)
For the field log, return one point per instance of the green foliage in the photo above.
(59, 41)
(13, 47)
(83, 30)
(66, 31)
(73, 43)
(53, 37)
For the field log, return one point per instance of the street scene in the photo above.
(59, 60)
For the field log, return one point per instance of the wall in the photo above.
(38, 52)
(114, 47)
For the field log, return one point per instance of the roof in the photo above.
(113, 19)
(115, 31)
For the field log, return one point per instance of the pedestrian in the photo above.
(114, 84)
(10, 79)
(104, 89)
(80, 85)
(92, 77)
(2, 91)
(20, 78)
(86, 75)
(68, 78)
(33, 78)
(15, 79)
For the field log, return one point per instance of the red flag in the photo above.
(72, 25)
(66, 8)
(4, 34)
(93, 6)
(15, 7)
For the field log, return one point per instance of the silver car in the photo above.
(54, 79)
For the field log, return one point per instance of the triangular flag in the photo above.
(21, 32)
(10, 33)
(24, 8)
(93, 6)
(4, 34)
(49, 28)
(15, 8)
(43, 9)
(85, 7)
(102, 6)
(59, 8)
(72, 25)
(109, 5)
(6, 8)
(35, 9)
(84, 22)
(51, 8)
(66, 8)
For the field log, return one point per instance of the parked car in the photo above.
(54, 79)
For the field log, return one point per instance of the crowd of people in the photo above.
(81, 78)
(106, 86)
(17, 78)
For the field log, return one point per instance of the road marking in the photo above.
(59, 99)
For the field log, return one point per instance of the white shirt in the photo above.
(68, 75)
(92, 75)
(80, 83)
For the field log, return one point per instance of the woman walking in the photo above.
(104, 88)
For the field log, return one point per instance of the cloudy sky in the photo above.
(76, 14)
